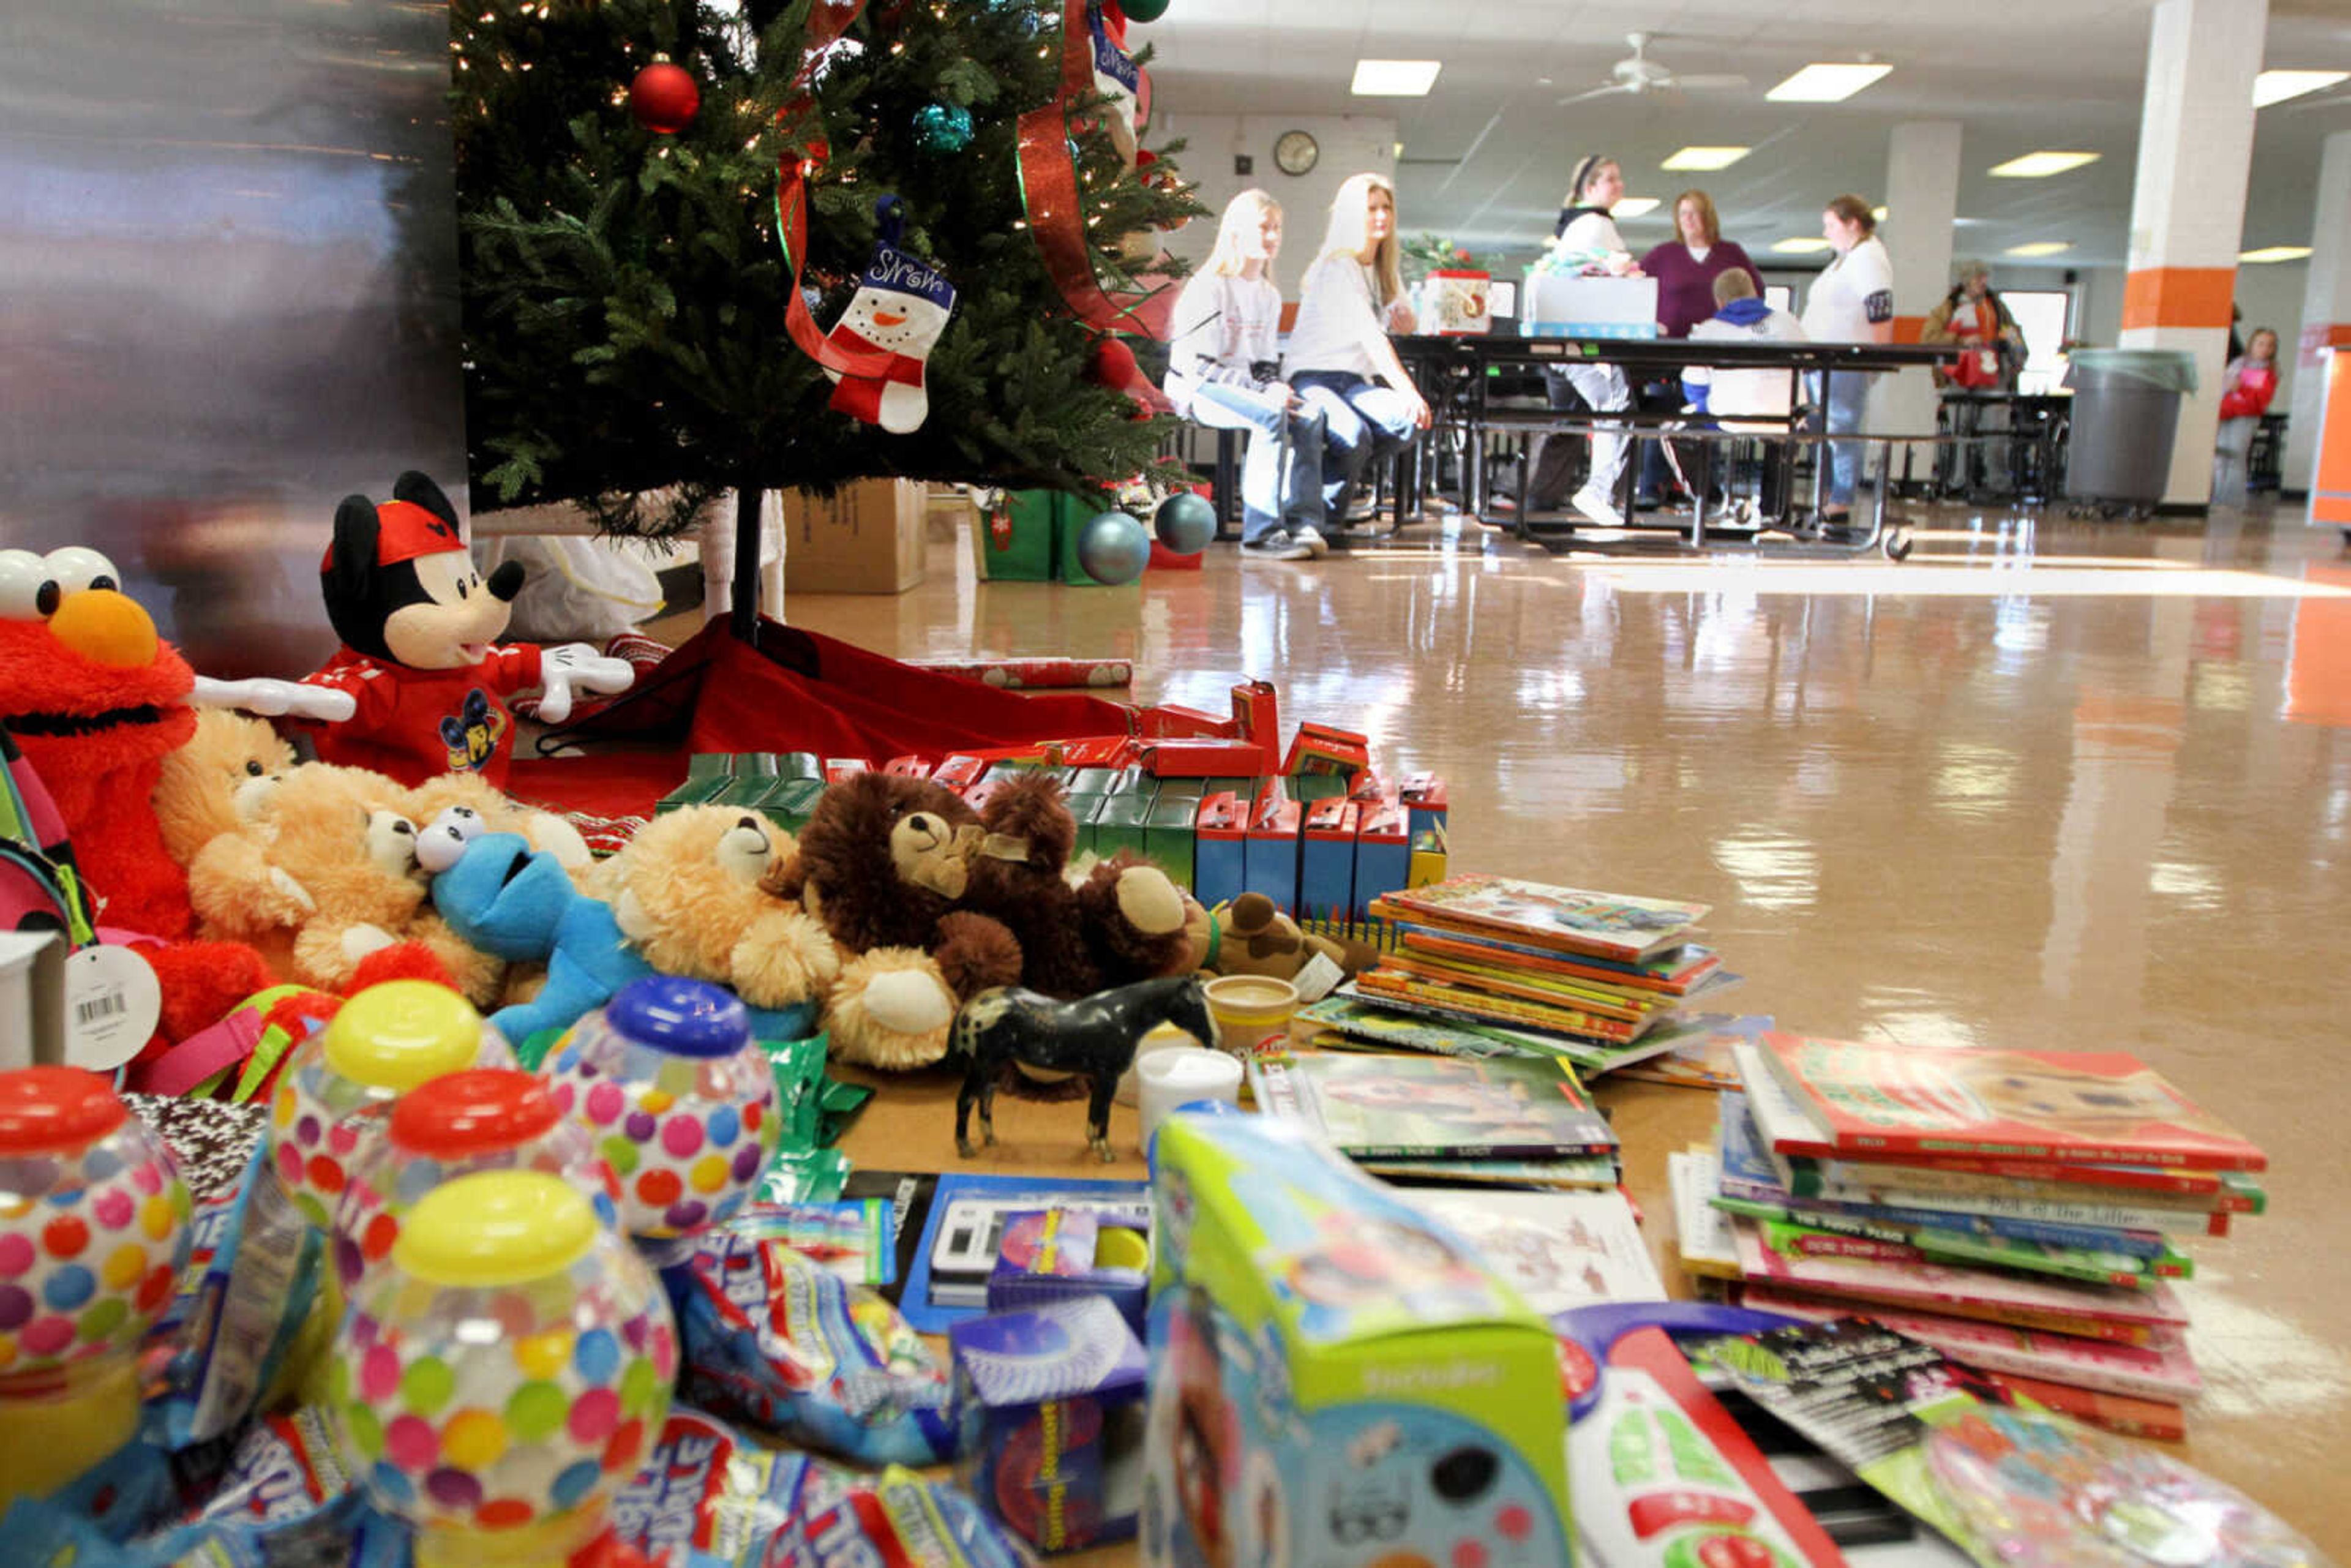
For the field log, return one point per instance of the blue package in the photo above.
(776, 1339)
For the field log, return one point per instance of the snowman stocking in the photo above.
(900, 306)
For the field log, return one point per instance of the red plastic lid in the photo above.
(56, 1110)
(476, 1112)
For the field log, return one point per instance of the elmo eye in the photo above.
(28, 591)
(77, 567)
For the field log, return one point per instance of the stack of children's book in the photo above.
(1480, 964)
(2021, 1209)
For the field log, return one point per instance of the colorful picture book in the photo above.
(1347, 1022)
(1555, 919)
(1597, 1173)
(1835, 1236)
(1589, 1055)
(1559, 1249)
(1703, 1236)
(1699, 1056)
(1460, 998)
(1434, 1107)
(2085, 1107)
(1677, 972)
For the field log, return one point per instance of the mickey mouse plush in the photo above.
(418, 622)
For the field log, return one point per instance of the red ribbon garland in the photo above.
(1049, 188)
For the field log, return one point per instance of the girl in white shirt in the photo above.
(1852, 301)
(1224, 371)
(1339, 343)
(1587, 235)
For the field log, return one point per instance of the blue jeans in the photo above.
(1848, 395)
(1364, 423)
(1282, 476)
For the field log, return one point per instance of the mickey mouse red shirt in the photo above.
(415, 724)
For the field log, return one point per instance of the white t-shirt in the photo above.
(1223, 325)
(1852, 293)
(1337, 319)
(1754, 393)
(1591, 239)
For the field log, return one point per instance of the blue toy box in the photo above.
(1052, 1421)
(1067, 1254)
(1336, 1381)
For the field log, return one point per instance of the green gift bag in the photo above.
(1019, 539)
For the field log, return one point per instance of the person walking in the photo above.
(1586, 237)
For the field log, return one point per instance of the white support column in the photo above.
(1922, 201)
(2325, 310)
(2188, 207)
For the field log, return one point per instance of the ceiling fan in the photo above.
(1639, 74)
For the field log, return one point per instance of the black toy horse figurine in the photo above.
(1093, 1036)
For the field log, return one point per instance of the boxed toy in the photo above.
(1457, 302)
(1326, 861)
(1383, 853)
(1067, 1254)
(1555, 305)
(1053, 1416)
(1219, 834)
(1424, 799)
(1336, 1379)
(1270, 858)
(1326, 748)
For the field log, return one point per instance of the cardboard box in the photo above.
(1168, 836)
(1270, 858)
(1334, 1377)
(1219, 834)
(1326, 859)
(1383, 854)
(1457, 302)
(1552, 306)
(1257, 716)
(865, 538)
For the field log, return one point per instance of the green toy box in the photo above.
(1335, 1380)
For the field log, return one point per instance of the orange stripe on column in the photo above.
(2322, 335)
(2178, 297)
(1906, 329)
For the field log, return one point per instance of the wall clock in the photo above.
(1295, 153)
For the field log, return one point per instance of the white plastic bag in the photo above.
(575, 590)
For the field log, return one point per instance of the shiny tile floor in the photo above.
(2048, 784)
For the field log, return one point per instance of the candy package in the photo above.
(777, 1339)
(709, 1498)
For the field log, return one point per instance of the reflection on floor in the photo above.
(2059, 784)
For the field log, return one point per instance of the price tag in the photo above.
(113, 1003)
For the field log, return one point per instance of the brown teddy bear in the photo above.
(687, 893)
(882, 862)
(1254, 937)
(219, 782)
(1123, 922)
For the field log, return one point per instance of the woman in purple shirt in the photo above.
(1685, 268)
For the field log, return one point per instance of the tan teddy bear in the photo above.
(688, 894)
(219, 786)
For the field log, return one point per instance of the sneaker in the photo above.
(1311, 539)
(1598, 507)
(1278, 545)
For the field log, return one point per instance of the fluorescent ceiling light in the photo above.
(1802, 244)
(1395, 79)
(2040, 165)
(2269, 253)
(2041, 247)
(1825, 83)
(1634, 207)
(1705, 158)
(2276, 86)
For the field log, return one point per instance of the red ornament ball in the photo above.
(663, 98)
(1111, 364)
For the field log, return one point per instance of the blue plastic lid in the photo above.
(685, 1017)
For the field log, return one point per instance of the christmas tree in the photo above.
(627, 295)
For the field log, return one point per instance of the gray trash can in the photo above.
(2125, 414)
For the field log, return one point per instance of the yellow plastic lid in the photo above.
(401, 1033)
(494, 1228)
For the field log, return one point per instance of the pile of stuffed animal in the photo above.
(198, 840)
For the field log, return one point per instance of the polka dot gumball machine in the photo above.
(505, 1375)
(679, 1099)
(93, 1231)
(341, 1082)
(488, 1118)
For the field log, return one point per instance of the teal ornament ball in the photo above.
(943, 127)
(1144, 10)
(1112, 549)
(1185, 522)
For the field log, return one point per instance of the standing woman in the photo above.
(1586, 237)
(1339, 349)
(1224, 371)
(1685, 268)
(1852, 301)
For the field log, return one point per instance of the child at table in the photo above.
(1340, 355)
